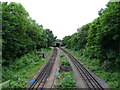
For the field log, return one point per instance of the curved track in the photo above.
(45, 72)
(90, 81)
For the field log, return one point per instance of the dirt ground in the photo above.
(52, 77)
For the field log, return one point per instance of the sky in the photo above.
(63, 17)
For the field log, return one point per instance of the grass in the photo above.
(23, 69)
(94, 65)
(66, 80)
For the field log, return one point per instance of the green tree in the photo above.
(100, 38)
(110, 33)
(21, 34)
(15, 21)
(50, 37)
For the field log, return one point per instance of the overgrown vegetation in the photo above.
(23, 69)
(63, 60)
(66, 80)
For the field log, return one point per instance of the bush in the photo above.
(66, 81)
(20, 33)
(63, 60)
(23, 68)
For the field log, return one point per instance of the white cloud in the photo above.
(63, 17)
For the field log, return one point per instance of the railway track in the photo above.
(45, 72)
(90, 81)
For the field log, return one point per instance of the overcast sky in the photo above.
(63, 17)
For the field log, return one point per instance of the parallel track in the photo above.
(90, 81)
(45, 72)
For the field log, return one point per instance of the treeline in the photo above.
(20, 33)
(101, 38)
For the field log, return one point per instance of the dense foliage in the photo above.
(23, 69)
(50, 37)
(66, 81)
(101, 38)
(20, 33)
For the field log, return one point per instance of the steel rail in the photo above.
(91, 82)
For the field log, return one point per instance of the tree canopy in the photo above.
(21, 34)
(100, 38)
